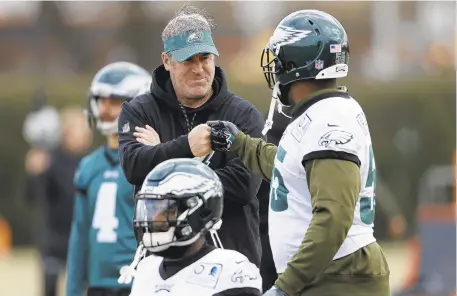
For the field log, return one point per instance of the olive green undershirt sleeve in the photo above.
(334, 185)
(257, 155)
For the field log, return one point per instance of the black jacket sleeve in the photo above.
(137, 159)
(240, 184)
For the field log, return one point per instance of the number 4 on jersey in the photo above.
(105, 213)
(368, 203)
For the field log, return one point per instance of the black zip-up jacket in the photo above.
(160, 109)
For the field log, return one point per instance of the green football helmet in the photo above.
(307, 44)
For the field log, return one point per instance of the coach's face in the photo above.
(193, 78)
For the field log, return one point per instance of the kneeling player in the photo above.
(179, 203)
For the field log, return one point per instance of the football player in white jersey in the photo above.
(177, 207)
(322, 173)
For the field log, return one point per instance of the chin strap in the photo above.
(269, 121)
(274, 98)
(207, 159)
(127, 272)
(214, 236)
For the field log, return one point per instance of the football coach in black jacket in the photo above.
(186, 92)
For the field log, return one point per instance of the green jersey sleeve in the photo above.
(334, 186)
(256, 154)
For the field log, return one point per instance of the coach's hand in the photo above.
(223, 133)
(147, 135)
(275, 291)
(199, 140)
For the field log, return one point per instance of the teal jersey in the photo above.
(102, 238)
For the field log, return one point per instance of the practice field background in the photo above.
(402, 72)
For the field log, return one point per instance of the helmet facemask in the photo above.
(165, 221)
(93, 116)
(270, 64)
(272, 67)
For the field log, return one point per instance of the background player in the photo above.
(179, 202)
(102, 238)
(323, 171)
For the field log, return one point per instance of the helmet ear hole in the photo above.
(290, 66)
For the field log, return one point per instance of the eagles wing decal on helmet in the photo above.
(335, 137)
(178, 184)
(286, 35)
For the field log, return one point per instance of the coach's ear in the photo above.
(167, 60)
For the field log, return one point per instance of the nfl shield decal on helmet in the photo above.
(319, 64)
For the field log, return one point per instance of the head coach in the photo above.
(186, 92)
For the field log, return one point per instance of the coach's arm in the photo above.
(137, 159)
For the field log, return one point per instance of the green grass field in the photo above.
(20, 272)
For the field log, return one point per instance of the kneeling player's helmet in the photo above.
(307, 44)
(179, 201)
(117, 81)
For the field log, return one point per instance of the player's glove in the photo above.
(275, 291)
(223, 133)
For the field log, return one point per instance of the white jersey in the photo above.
(216, 272)
(337, 126)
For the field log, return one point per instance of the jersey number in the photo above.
(368, 203)
(105, 213)
(278, 190)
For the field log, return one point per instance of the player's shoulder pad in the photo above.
(150, 263)
(334, 129)
(237, 272)
(86, 169)
(334, 108)
(145, 274)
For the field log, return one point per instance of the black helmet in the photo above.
(307, 44)
(179, 201)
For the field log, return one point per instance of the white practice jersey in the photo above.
(218, 271)
(331, 126)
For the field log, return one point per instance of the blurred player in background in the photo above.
(323, 172)
(181, 200)
(58, 142)
(102, 238)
